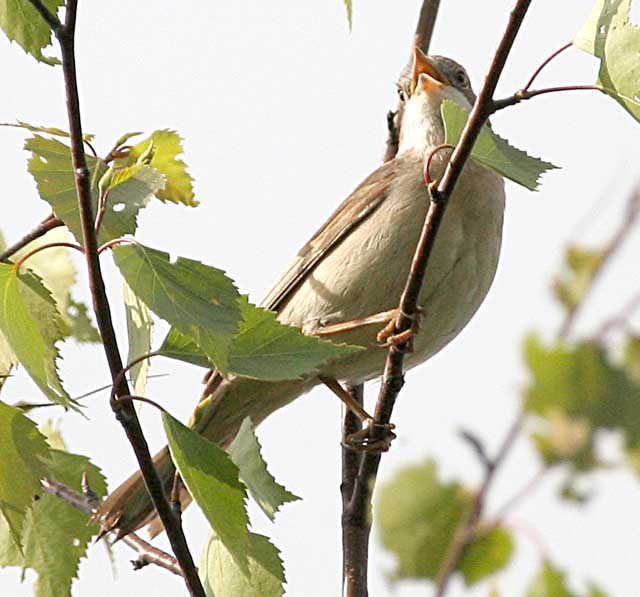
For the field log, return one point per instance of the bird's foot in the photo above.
(371, 443)
(389, 335)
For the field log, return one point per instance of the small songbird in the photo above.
(347, 280)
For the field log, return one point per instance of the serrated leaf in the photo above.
(51, 167)
(489, 553)
(139, 331)
(56, 534)
(581, 265)
(550, 582)
(200, 301)
(418, 516)
(264, 348)
(168, 146)
(349, 6)
(49, 130)
(609, 35)
(23, 24)
(24, 450)
(244, 451)
(212, 479)
(221, 575)
(79, 323)
(493, 151)
(30, 322)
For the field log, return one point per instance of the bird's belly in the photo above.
(366, 274)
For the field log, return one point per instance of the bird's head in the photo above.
(433, 79)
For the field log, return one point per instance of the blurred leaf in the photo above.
(493, 151)
(49, 130)
(56, 534)
(550, 582)
(418, 516)
(30, 322)
(609, 35)
(212, 479)
(79, 323)
(51, 167)
(24, 460)
(580, 383)
(349, 6)
(200, 301)
(222, 576)
(490, 552)
(139, 331)
(632, 357)
(263, 348)
(581, 266)
(168, 146)
(23, 24)
(244, 451)
(53, 435)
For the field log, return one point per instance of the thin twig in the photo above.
(522, 95)
(620, 319)
(49, 223)
(629, 218)
(147, 553)
(37, 250)
(124, 410)
(359, 509)
(538, 70)
(469, 525)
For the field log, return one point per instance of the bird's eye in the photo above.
(461, 78)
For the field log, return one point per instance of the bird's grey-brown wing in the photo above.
(354, 210)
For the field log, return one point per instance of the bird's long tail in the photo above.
(218, 418)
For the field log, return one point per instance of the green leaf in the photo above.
(200, 301)
(222, 576)
(51, 167)
(494, 151)
(78, 323)
(168, 146)
(549, 583)
(139, 331)
(244, 451)
(349, 6)
(49, 130)
(212, 479)
(581, 266)
(24, 456)
(418, 516)
(56, 534)
(264, 348)
(30, 322)
(578, 389)
(609, 35)
(489, 553)
(23, 24)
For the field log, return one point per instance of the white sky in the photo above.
(283, 113)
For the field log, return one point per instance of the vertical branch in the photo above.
(360, 507)
(125, 411)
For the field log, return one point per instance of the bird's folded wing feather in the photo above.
(354, 210)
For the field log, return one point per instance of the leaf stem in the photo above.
(545, 63)
(33, 252)
(523, 95)
(49, 223)
(124, 411)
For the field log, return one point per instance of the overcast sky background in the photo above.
(283, 114)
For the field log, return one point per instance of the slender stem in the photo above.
(523, 95)
(147, 553)
(620, 318)
(426, 25)
(545, 63)
(115, 242)
(49, 223)
(359, 508)
(123, 372)
(143, 399)
(523, 493)
(37, 250)
(124, 410)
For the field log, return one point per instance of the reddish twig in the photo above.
(124, 410)
(49, 223)
(37, 250)
(544, 64)
(359, 509)
(521, 96)
(115, 242)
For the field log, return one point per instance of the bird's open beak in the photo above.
(426, 75)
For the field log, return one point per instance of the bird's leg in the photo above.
(352, 324)
(390, 337)
(360, 440)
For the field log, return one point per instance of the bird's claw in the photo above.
(362, 441)
(389, 336)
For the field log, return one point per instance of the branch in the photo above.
(359, 508)
(615, 242)
(147, 553)
(468, 527)
(41, 229)
(124, 411)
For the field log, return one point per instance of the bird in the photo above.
(347, 280)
